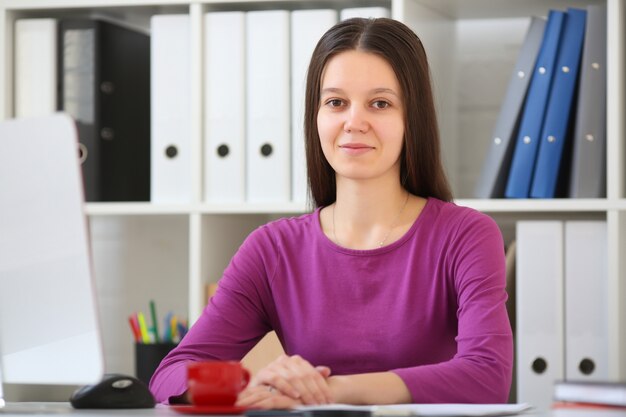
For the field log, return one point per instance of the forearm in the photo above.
(370, 388)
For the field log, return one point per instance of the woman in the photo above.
(387, 292)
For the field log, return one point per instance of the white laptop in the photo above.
(49, 329)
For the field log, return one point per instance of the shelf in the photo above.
(122, 209)
(489, 9)
(556, 205)
(240, 4)
(61, 4)
(257, 208)
(290, 208)
(147, 208)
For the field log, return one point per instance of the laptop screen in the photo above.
(49, 330)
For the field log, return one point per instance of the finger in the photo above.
(299, 373)
(320, 389)
(323, 370)
(306, 389)
(280, 377)
(314, 381)
(308, 381)
(262, 376)
(254, 395)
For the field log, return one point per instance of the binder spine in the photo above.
(35, 67)
(498, 161)
(307, 27)
(78, 41)
(540, 335)
(225, 122)
(586, 304)
(268, 123)
(527, 141)
(555, 144)
(588, 178)
(171, 168)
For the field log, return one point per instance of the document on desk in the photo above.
(423, 410)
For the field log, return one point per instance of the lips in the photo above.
(355, 148)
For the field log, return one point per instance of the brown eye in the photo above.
(381, 104)
(335, 102)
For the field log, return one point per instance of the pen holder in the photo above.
(148, 356)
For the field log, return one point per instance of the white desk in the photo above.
(60, 409)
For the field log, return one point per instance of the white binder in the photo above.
(35, 67)
(224, 111)
(586, 301)
(267, 106)
(170, 168)
(366, 12)
(539, 277)
(307, 27)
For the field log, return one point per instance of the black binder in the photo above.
(104, 84)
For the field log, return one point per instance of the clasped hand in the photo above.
(287, 382)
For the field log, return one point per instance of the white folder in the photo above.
(224, 112)
(366, 12)
(539, 277)
(267, 107)
(170, 168)
(35, 67)
(586, 301)
(307, 27)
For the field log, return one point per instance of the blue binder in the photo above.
(554, 136)
(498, 161)
(527, 140)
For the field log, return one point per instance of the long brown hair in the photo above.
(421, 170)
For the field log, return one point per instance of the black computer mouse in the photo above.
(114, 391)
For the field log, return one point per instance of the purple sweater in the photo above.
(429, 307)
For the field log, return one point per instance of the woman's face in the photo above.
(361, 118)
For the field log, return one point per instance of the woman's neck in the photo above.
(370, 215)
(368, 203)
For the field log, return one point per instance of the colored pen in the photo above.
(145, 336)
(167, 334)
(134, 327)
(174, 328)
(155, 323)
(182, 330)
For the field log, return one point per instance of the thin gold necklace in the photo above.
(381, 243)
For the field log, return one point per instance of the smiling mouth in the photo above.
(355, 146)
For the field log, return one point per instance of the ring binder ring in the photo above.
(82, 152)
(266, 149)
(171, 151)
(223, 150)
(587, 366)
(539, 365)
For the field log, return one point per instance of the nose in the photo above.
(355, 121)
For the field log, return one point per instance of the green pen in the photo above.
(155, 323)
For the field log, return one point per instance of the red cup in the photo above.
(216, 383)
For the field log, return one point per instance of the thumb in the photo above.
(323, 370)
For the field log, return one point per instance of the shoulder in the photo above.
(295, 227)
(284, 232)
(457, 219)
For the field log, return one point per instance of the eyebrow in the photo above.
(374, 91)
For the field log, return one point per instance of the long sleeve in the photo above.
(480, 371)
(231, 324)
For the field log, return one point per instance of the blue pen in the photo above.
(182, 330)
(167, 334)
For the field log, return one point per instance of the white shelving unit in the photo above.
(168, 253)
